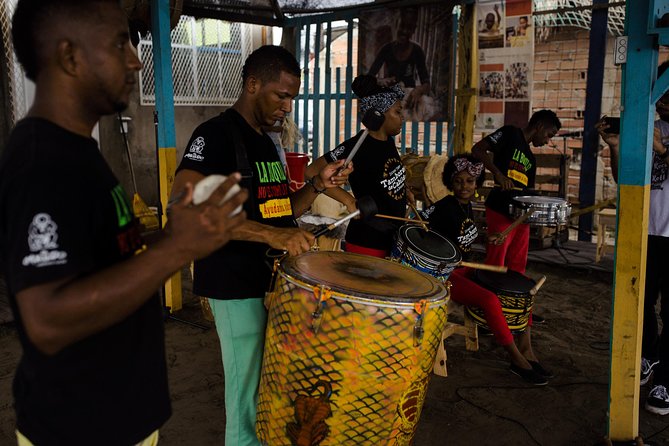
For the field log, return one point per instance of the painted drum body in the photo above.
(350, 345)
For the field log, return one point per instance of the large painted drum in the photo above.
(426, 251)
(350, 345)
(513, 290)
(548, 211)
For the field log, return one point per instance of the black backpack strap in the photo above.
(242, 162)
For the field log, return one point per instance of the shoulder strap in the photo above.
(242, 161)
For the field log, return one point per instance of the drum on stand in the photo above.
(426, 251)
(548, 211)
(513, 290)
(350, 345)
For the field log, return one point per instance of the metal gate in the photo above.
(326, 111)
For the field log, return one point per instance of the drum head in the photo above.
(363, 276)
(537, 200)
(430, 244)
(509, 282)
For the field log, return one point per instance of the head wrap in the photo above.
(474, 169)
(382, 101)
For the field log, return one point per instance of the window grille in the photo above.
(207, 60)
(578, 13)
(16, 82)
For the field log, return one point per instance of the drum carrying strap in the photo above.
(420, 308)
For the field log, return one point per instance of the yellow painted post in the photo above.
(627, 326)
(465, 107)
(167, 164)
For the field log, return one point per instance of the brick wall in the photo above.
(560, 75)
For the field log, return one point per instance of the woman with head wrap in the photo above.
(452, 217)
(378, 172)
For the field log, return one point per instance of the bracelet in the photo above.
(310, 181)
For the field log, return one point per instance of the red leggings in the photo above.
(357, 249)
(467, 292)
(513, 252)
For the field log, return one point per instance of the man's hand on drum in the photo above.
(331, 176)
(293, 240)
(204, 228)
(505, 182)
(496, 239)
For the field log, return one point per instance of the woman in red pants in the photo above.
(452, 217)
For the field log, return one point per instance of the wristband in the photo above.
(310, 181)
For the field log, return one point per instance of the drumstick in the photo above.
(415, 211)
(592, 208)
(408, 220)
(518, 221)
(495, 268)
(535, 288)
(350, 156)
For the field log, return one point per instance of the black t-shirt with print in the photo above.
(454, 221)
(239, 270)
(64, 214)
(513, 157)
(378, 173)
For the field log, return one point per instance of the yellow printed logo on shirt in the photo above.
(520, 177)
(276, 208)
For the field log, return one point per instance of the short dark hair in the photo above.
(545, 117)
(450, 170)
(31, 20)
(267, 62)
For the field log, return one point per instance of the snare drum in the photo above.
(513, 290)
(548, 211)
(426, 251)
(350, 345)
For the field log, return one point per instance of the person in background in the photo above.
(655, 345)
(82, 282)
(378, 173)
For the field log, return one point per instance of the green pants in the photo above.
(240, 325)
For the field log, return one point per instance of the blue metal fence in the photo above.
(326, 112)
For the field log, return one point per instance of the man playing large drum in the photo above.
(236, 277)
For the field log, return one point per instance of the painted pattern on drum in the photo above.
(364, 353)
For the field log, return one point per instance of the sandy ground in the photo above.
(479, 403)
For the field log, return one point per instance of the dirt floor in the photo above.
(479, 403)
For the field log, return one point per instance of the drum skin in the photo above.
(513, 291)
(360, 376)
(427, 251)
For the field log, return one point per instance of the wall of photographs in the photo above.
(506, 49)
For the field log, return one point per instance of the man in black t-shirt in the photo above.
(236, 277)
(514, 168)
(82, 284)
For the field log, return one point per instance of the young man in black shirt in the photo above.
(514, 168)
(82, 284)
(236, 277)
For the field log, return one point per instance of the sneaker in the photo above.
(541, 370)
(647, 370)
(529, 375)
(658, 400)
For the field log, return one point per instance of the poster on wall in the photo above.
(411, 46)
(506, 55)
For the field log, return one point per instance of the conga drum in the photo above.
(513, 290)
(426, 251)
(349, 349)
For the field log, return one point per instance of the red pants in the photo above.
(467, 292)
(513, 252)
(357, 249)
